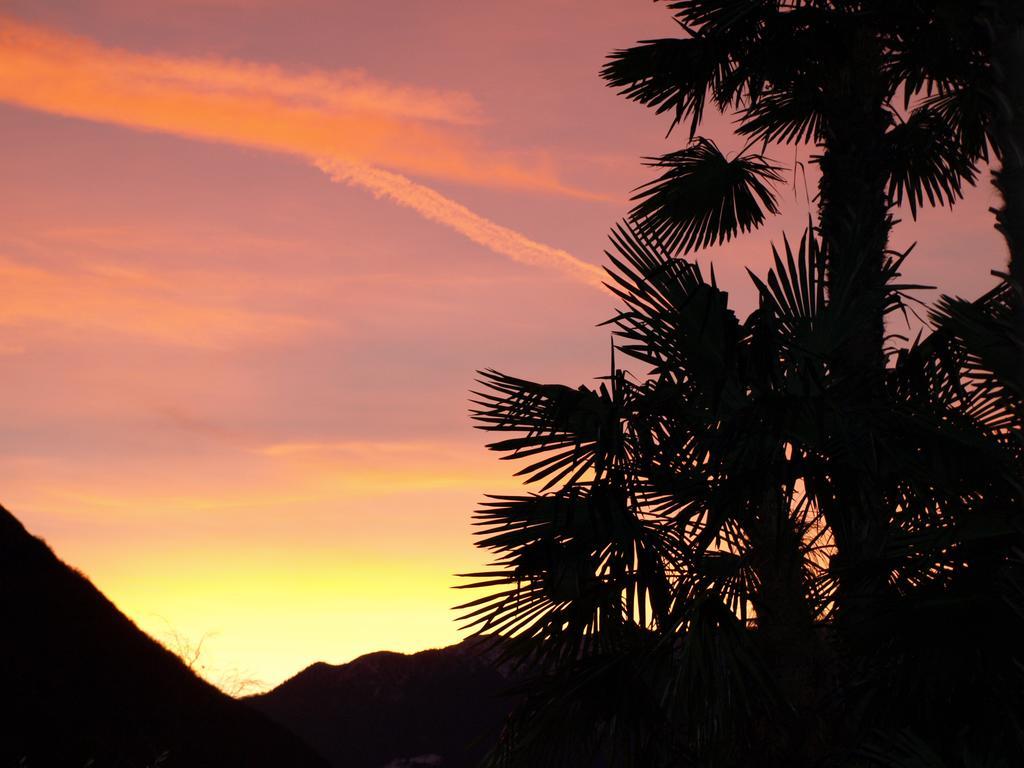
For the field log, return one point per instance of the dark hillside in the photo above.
(435, 708)
(79, 682)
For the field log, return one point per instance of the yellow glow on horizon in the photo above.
(237, 391)
(290, 553)
(271, 621)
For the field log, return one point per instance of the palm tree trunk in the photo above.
(854, 218)
(786, 633)
(1008, 132)
(855, 224)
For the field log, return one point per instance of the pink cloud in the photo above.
(112, 299)
(345, 115)
(352, 124)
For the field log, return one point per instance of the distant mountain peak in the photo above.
(439, 707)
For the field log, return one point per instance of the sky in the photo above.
(251, 254)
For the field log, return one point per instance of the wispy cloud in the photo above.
(341, 114)
(434, 206)
(347, 121)
(437, 451)
(131, 302)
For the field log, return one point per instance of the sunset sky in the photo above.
(251, 253)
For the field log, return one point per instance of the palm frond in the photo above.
(930, 51)
(566, 432)
(790, 115)
(794, 292)
(604, 709)
(721, 693)
(717, 16)
(995, 353)
(573, 570)
(926, 161)
(703, 198)
(967, 110)
(670, 75)
(674, 319)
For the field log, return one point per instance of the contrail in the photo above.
(434, 206)
(349, 124)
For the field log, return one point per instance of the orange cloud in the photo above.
(254, 483)
(143, 236)
(343, 114)
(132, 302)
(349, 468)
(351, 124)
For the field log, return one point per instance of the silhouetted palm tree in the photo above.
(825, 73)
(902, 97)
(808, 72)
(675, 579)
(785, 543)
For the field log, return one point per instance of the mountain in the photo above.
(440, 708)
(80, 682)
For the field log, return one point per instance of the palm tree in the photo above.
(810, 71)
(722, 554)
(832, 75)
(818, 72)
(675, 580)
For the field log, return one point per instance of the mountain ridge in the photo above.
(81, 682)
(437, 707)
